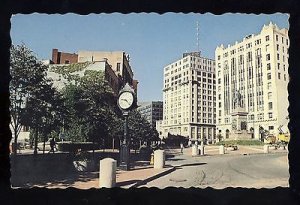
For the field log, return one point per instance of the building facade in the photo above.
(151, 111)
(189, 97)
(63, 58)
(55, 72)
(256, 67)
(118, 60)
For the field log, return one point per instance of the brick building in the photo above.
(63, 58)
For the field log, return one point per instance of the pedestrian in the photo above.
(52, 145)
(181, 147)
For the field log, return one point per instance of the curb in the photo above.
(151, 178)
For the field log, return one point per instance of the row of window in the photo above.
(257, 42)
(205, 63)
(251, 117)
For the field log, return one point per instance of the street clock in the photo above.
(126, 99)
(126, 102)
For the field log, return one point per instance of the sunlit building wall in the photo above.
(189, 98)
(257, 67)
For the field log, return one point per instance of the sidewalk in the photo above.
(211, 150)
(142, 173)
(138, 175)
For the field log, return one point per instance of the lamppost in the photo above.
(126, 102)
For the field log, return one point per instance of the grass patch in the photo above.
(240, 142)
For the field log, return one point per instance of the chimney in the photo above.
(55, 56)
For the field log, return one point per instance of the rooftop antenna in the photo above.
(197, 36)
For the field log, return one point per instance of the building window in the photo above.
(267, 47)
(268, 57)
(278, 56)
(118, 67)
(271, 127)
(269, 95)
(278, 66)
(269, 76)
(279, 76)
(270, 115)
(277, 47)
(269, 85)
(267, 38)
(270, 105)
(268, 66)
(276, 37)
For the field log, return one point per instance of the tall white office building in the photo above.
(189, 97)
(256, 67)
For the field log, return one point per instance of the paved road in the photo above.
(250, 171)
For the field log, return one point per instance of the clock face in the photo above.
(125, 100)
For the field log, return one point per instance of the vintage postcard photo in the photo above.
(149, 100)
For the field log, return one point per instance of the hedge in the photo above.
(240, 142)
(75, 146)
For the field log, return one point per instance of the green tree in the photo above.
(26, 74)
(92, 107)
(140, 130)
(44, 112)
(34, 102)
(94, 113)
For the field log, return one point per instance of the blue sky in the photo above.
(151, 40)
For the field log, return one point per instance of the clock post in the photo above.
(126, 101)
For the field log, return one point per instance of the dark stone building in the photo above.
(151, 111)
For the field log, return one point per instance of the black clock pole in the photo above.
(124, 146)
(126, 94)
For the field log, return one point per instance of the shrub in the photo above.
(75, 146)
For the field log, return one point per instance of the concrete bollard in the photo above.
(107, 175)
(266, 148)
(195, 150)
(201, 148)
(221, 149)
(159, 159)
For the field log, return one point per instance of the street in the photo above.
(248, 171)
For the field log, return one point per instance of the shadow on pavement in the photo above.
(175, 159)
(192, 164)
(125, 183)
(140, 163)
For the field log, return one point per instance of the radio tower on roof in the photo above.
(198, 49)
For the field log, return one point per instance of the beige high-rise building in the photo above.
(256, 67)
(189, 98)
